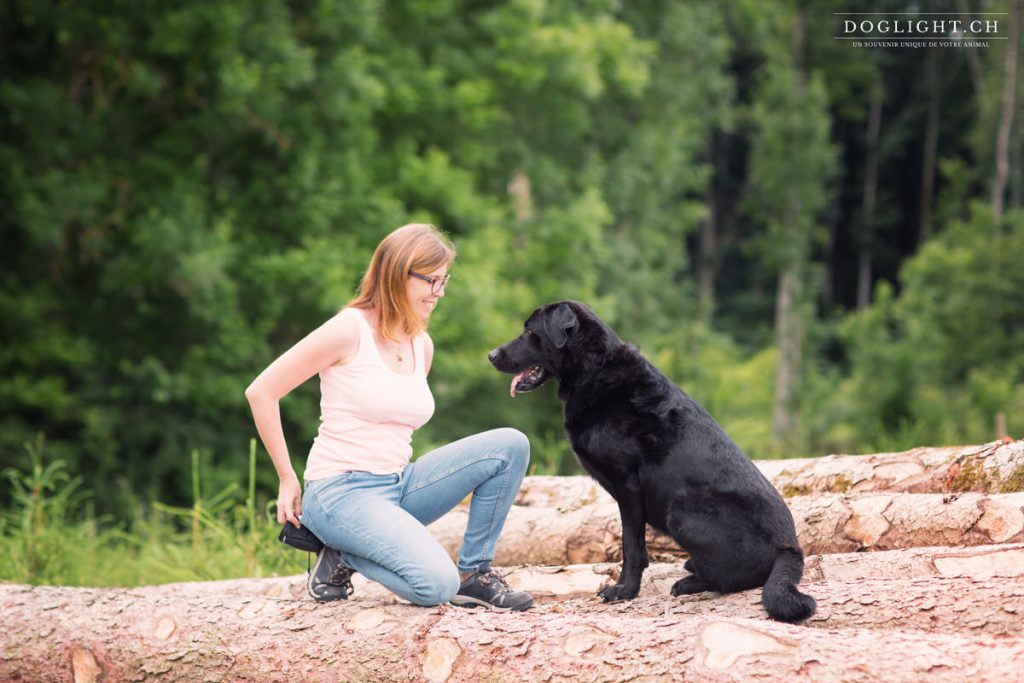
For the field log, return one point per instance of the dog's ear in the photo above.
(559, 324)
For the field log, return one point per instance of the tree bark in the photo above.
(870, 195)
(996, 467)
(862, 504)
(789, 322)
(937, 613)
(828, 523)
(953, 618)
(1006, 119)
(708, 255)
(828, 280)
(789, 339)
(840, 523)
(973, 62)
(931, 146)
(563, 582)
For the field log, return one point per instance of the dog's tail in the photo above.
(780, 597)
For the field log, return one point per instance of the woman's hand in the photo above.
(289, 501)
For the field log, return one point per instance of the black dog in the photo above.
(664, 459)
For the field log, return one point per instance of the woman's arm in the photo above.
(333, 343)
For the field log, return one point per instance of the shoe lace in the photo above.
(491, 576)
(342, 577)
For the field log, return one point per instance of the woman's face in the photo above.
(423, 295)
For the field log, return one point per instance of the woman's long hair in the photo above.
(418, 246)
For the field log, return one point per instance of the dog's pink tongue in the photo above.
(515, 380)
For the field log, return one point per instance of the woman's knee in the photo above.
(516, 446)
(435, 587)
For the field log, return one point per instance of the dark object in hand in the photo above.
(300, 537)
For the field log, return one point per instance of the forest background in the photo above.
(820, 242)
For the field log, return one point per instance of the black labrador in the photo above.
(664, 459)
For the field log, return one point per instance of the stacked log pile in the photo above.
(928, 496)
(939, 598)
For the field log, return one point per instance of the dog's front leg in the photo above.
(629, 496)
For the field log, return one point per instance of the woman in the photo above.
(363, 498)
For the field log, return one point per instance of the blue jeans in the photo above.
(378, 521)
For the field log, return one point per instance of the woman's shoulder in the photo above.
(352, 318)
(347, 316)
(343, 328)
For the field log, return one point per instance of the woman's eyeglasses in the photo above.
(436, 283)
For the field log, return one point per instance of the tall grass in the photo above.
(50, 534)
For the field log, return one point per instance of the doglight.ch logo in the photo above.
(920, 29)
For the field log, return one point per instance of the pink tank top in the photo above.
(368, 411)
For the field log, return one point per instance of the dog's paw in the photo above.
(617, 592)
(689, 585)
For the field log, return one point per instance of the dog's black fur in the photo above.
(665, 461)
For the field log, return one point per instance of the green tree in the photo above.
(791, 163)
(939, 360)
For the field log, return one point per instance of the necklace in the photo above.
(398, 352)
(385, 343)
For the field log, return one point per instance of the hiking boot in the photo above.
(330, 579)
(487, 588)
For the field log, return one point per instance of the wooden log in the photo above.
(831, 523)
(931, 582)
(997, 467)
(565, 581)
(955, 617)
(883, 521)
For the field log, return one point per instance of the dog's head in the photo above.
(551, 340)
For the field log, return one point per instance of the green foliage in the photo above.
(191, 187)
(44, 499)
(939, 360)
(790, 191)
(52, 535)
(212, 184)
